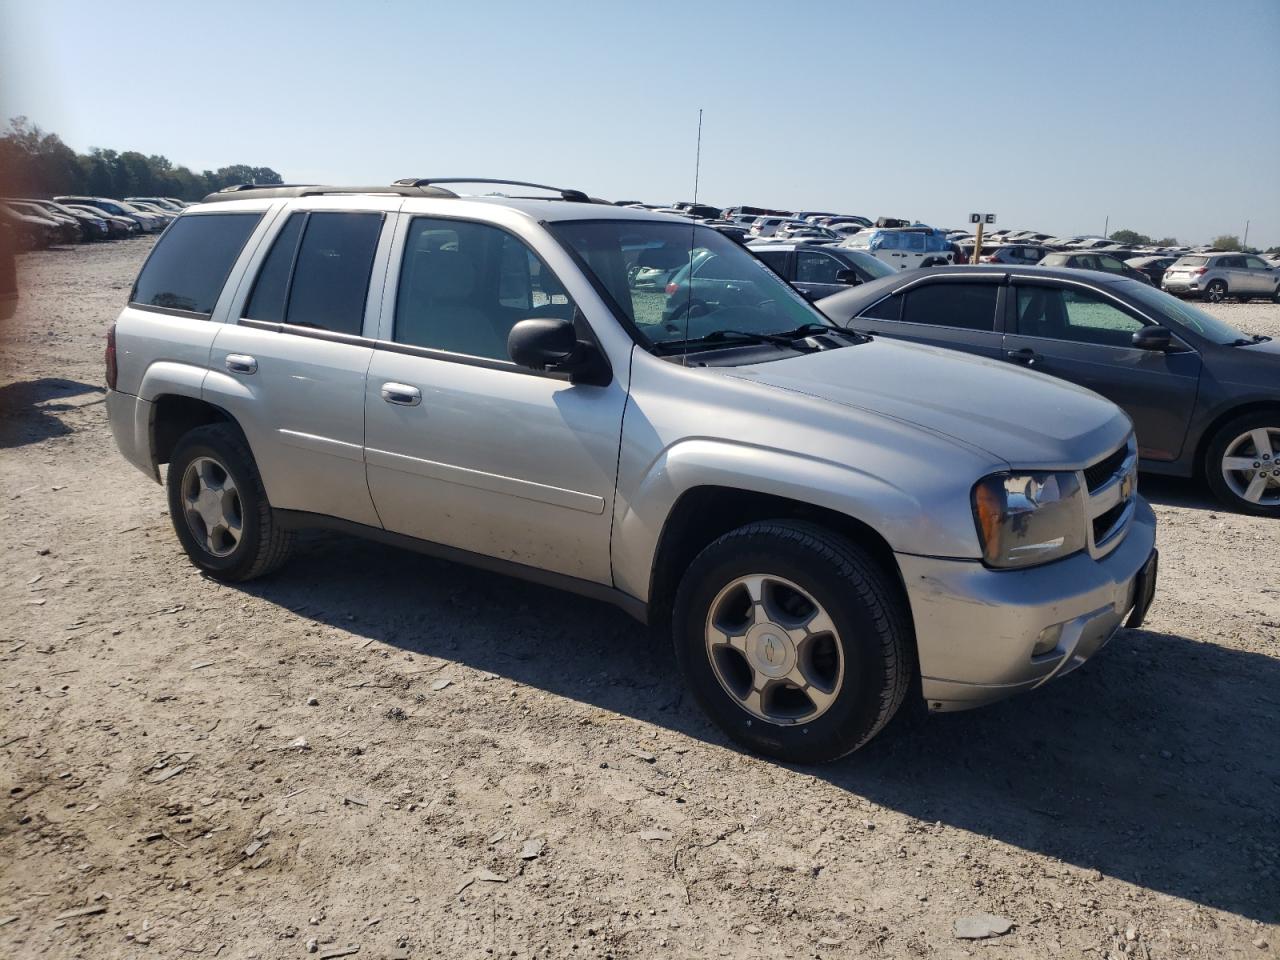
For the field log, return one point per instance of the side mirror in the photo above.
(848, 276)
(1153, 338)
(552, 344)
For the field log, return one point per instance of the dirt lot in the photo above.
(372, 749)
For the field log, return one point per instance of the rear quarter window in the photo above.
(191, 261)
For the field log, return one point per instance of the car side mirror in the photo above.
(551, 344)
(848, 276)
(1153, 338)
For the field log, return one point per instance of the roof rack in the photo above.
(408, 187)
(575, 196)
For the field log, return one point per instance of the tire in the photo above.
(864, 661)
(1275, 296)
(1236, 443)
(1216, 292)
(203, 462)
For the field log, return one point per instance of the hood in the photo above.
(1024, 418)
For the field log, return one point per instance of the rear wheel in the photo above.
(794, 640)
(1243, 463)
(1216, 292)
(219, 508)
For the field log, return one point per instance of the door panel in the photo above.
(1081, 336)
(497, 462)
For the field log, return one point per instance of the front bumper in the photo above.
(976, 628)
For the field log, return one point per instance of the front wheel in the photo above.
(219, 508)
(1243, 464)
(794, 640)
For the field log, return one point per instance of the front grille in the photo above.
(1105, 522)
(1102, 471)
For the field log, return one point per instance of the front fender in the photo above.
(905, 523)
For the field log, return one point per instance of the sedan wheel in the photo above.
(1250, 468)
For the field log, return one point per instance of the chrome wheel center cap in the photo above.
(770, 651)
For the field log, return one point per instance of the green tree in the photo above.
(1129, 237)
(1227, 241)
(1168, 242)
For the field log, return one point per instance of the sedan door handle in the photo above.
(1025, 355)
(402, 394)
(241, 363)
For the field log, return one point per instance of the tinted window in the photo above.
(1254, 263)
(1110, 264)
(190, 264)
(814, 267)
(463, 286)
(1072, 314)
(272, 286)
(888, 309)
(331, 271)
(776, 259)
(969, 306)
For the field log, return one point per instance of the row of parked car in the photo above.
(35, 224)
(1199, 272)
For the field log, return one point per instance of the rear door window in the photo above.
(190, 264)
(968, 306)
(317, 274)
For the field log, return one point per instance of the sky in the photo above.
(1161, 116)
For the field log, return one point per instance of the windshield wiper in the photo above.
(1255, 338)
(786, 338)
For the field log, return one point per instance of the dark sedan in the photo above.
(1153, 267)
(1204, 397)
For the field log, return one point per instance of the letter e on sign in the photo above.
(990, 218)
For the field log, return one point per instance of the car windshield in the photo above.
(713, 287)
(872, 265)
(1190, 316)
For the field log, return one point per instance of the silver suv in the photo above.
(826, 524)
(1216, 276)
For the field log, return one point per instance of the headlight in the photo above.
(1029, 518)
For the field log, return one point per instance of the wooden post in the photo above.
(977, 243)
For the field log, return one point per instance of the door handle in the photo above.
(402, 394)
(1025, 355)
(241, 363)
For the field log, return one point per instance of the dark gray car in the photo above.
(1204, 397)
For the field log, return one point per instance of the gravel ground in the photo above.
(373, 749)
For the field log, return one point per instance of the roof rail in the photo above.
(576, 196)
(242, 191)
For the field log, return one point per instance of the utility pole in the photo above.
(1105, 227)
(1245, 243)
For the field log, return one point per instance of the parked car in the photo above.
(903, 248)
(768, 226)
(8, 272)
(1152, 267)
(793, 230)
(1092, 261)
(117, 227)
(147, 222)
(819, 271)
(1017, 254)
(1204, 397)
(823, 522)
(164, 214)
(68, 228)
(91, 227)
(1216, 276)
(31, 231)
(164, 203)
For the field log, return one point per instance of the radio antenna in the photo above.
(697, 170)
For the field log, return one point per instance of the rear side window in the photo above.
(889, 308)
(968, 306)
(317, 273)
(189, 265)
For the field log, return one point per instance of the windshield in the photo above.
(872, 265)
(1191, 317)
(711, 285)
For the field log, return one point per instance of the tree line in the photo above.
(34, 163)
(1226, 241)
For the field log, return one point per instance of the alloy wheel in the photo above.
(1217, 291)
(774, 649)
(1250, 466)
(211, 506)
